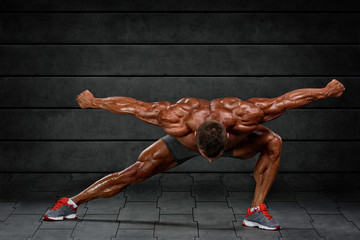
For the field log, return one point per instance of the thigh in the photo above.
(155, 159)
(254, 143)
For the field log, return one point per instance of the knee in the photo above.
(275, 140)
(274, 146)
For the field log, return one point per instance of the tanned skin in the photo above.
(241, 119)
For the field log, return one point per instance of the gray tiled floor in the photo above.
(197, 206)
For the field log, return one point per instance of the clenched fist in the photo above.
(85, 99)
(334, 89)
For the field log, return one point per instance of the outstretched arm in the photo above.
(274, 107)
(144, 111)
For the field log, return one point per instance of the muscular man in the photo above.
(221, 127)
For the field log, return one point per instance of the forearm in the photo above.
(301, 97)
(119, 105)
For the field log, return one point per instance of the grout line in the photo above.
(346, 217)
(157, 205)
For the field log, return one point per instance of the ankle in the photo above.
(70, 201)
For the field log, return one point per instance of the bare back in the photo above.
(182, 119)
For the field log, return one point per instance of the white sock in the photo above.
(72, 203)
(255, 208)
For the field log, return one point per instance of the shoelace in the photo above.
(58, 204)
(266, 213)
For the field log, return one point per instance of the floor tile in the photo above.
(248, 233)
(307, 234)
(176, 227)
(343, 194)
(15, 238)
(340, 186)
(240, 201)
(316, 203)
(209, 191)
(138, 215)
(100, 217)
(134, 235)
(96, 227)
(238, 182)
(20, 226)
(351, 211)
(81, 211)
(53, 182)
(52, 235)
(143, 191)
(176, 203)
(6, 208)
(334, 227)
(210, 234)
(59, 225)
(110, 205)
(214, 215)
(302, 182)
(92, 238)
(206, 177)
(290, 215)
(156, 177)
(14, 191)
(35, 203)
(280, 191)
(176, 182)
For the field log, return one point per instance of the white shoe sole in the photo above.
(255, 224)
(71, 216)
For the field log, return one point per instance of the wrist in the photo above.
(94, 102)
(325, 92)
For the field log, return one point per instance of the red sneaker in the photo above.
(260, 217)
(62, 209)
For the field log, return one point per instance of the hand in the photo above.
(334, 89)
(85, 99)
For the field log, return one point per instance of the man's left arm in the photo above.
(274, 107)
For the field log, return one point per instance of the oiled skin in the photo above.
(240, 118)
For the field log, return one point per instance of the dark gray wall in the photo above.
(50, 51)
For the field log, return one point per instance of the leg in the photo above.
(269, 145)
(153, 160)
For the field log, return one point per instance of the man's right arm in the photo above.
(147, 112)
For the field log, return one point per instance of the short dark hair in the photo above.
(211, 138)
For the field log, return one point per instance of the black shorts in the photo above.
(182, 153)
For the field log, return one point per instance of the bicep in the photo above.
(149, 112)
(272, 107)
